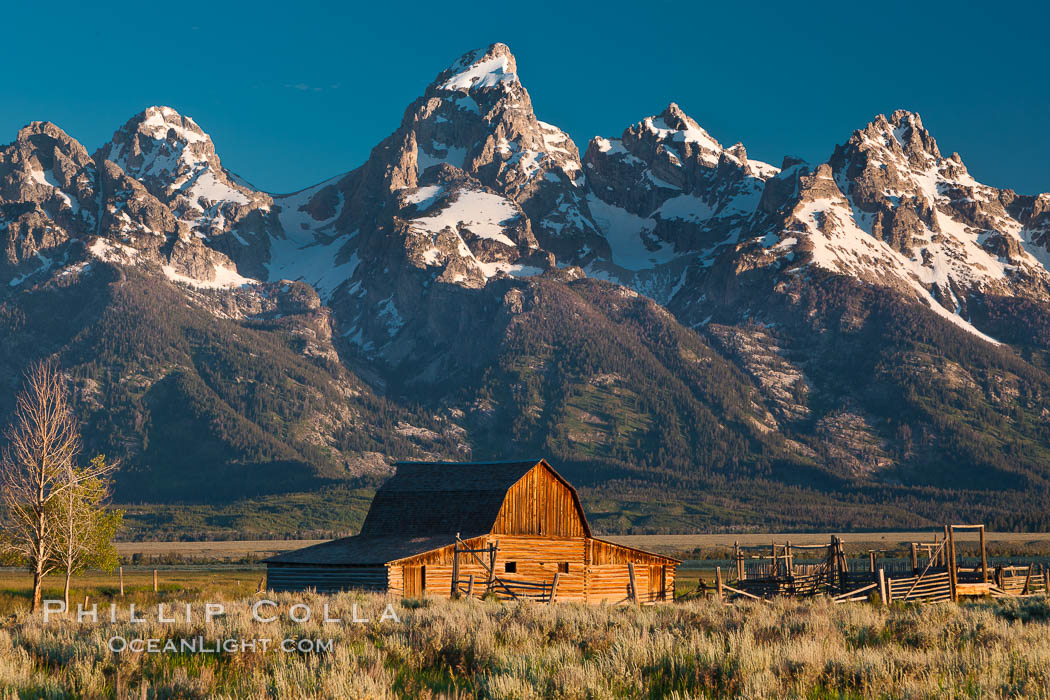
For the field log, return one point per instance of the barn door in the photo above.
(415, 581)
(657, 582)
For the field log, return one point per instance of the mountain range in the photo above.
(699, 340)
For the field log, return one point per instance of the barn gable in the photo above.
(542, 503)
(426, 499)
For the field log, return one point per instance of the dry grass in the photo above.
(804, 649)
(189, 583)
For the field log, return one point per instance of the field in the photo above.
(459, 649)
(470, 648)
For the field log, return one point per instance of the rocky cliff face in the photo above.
(665, 311)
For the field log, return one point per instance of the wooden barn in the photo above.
(515, 529)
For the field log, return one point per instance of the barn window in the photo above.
(564, 567)
(511, 567)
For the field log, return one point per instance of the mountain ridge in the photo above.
(662, 312)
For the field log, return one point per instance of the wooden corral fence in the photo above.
(541, 591)
(934, 573)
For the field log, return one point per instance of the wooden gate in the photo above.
(415, 581)
(657, 583)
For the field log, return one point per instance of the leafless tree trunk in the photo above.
(36, 469)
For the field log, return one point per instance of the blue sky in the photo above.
(293, 93)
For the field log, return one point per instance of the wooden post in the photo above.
(718, 584)
(947, 545)
(871, 558)
(1046, 581)
(789, 562)
(122, 580)
(836, 553)
(914, 559)
(739, 556)
(470, 586)
(774, 567)
(554, 587)
(86, 598)
(154, 580)
(1027, 581)
(984, 558)
(455, 569)
(883, 588)
(492, 566)
(634, 586)
(953, 572)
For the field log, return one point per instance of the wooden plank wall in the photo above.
(538, 559)
(324, 579)
(609, 553)
(540, 504)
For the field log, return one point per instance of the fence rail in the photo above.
(934, 573)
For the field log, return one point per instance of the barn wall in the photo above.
(537, 559)
(324, 579)
(609, 553)
(540, 504)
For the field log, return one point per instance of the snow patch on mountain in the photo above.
(483, 74)
(225, 278)
(482, 213)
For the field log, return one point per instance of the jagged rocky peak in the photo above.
(481, 69)
(46, 163)
(668, 182)
(48, 190)
(476, 117)
(176, 162)
(901, 132)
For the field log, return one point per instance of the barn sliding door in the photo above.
(415, 581)
(657, 582)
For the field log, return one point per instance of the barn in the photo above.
(512, 529)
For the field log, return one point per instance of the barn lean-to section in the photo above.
(514, 529)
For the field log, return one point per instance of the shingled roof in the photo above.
(433, 498)
(423, 506)
(361, 551)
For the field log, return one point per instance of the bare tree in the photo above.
(43, 441)
(84, 527)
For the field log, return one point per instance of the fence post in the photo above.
(953, 572)
(739, 556)
(470, 586)
(634, 587)
(554, 587)
(454, 593)
(122, 580)
(871, 559)
(154, 580)
(883, 588)
(718, 584)
(914, 559)
(984, 558)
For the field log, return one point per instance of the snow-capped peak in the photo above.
(480, 69)
(676, 125)
(902, 132)
(175, 161)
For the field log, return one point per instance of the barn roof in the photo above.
(362, 551)
(432, 498)
(423, 506)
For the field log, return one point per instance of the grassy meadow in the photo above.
(489, 649)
